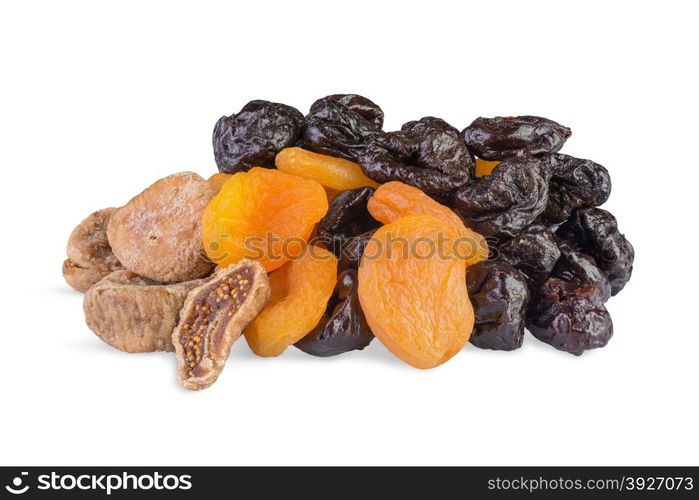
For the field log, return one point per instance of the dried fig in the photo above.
(158, 233)
(213, 317)
(135, 314)
(90, 258)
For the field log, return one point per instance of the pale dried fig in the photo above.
(90, 258)
(213, 317)
(158, 233)
(135, 314)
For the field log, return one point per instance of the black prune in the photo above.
(575, 183)
(594, 231)
(500, 297)
(427, 154)
(347, 216)
(343, 327)
(569, 317)
(353, 250)
(365, 107)
(533, 252)
(506, 201)
(502, 137)
(335, 129)
(580, 269)
(253, 136)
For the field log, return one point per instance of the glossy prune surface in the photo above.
(534, 252)
(347, 216)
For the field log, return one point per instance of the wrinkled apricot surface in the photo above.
(485, 167)
(332, 172)
(396, 199)
(414, 299)
(264, 215)
(300, 293)
(218, 180)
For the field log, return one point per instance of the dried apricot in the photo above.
(158, 233)
(264, 215)
(218, 180)
(485, 167)
(414, 297)
(301, 290)
(332, 172)
(396, 199)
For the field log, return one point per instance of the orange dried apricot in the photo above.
(218, 180)
(485, 167)
(414, 297)
(396, 199)
(301, 290)
(264, 215)
(332, 172)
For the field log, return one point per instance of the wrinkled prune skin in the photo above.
(503, 203)
(500, 296)
(594, 231)
(253, 136)
(335, 129)
(365, 107)
(569, 317)
(575, 183)
(534, 252)
(343, 327)
(347, 216)
(353, 250)
(577, 268)
(427, 154)
(502, 137)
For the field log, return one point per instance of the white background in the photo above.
(97, 102)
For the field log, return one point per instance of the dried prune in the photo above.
(360, 104)
(569, 317)
(575, 183)
(334, 128)
(500, 296)
(427, 154)
(415, 300)
(502, 137)
(506, 201)
(353, 250)
(300, 293)
(580, 269)
(254, 135)
(347, 216)
(158, 233)
(263, 214)
(343, 327)
(485, 167)
(90, 258)
(396, 199)
(332, 172)
(594, 231)
(534, 252)
(135, 314)
(212, 319)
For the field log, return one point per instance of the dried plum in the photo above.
(575, 183)
(500, 297)
(569, 317)
(367, 108)
(506, 201)
(594, 231)
(533, 252)
(347, 216)
(580, 269)
(427, 154)
(502, 137)
(353, 249)
(343, 327)
(253, 136)
(336, 129)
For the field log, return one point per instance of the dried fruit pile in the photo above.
(324, 231)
